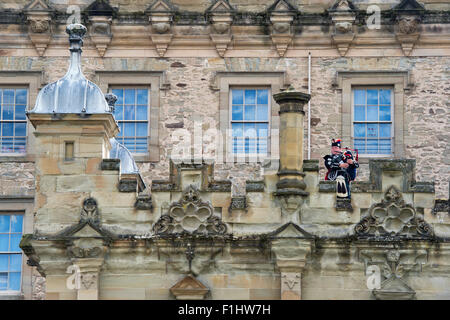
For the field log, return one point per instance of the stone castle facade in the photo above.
(189, 219)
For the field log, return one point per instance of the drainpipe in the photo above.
(309, 106)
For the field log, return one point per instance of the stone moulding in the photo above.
(220, 15)
(189, 288)
(160, 15)
(39, 16)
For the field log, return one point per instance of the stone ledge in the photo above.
(110, 164)
(344, 205)
(254, 186)
(311, 165)
(327, 186)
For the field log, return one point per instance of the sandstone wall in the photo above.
(426, 115)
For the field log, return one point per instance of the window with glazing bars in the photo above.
(250, 110)
(131, 112)
(372, 120)
(13, 122)
(11, 227)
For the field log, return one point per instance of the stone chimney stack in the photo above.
(291, 142)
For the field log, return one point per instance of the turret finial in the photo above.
(76, 33)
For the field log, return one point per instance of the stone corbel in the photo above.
(406, 32)
(38, 15)
(100, 32)
(160, 16)
(291, 257)
(87, 257)
(221, 17)
(343, 19)
(281, 31)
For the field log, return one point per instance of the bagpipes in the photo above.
(347, 154)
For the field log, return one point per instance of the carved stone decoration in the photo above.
(189, 288)
(38, 14)
(100, 33)
(291, 286)
(144, 202)
(392, 217)
(221, 17)
(160, 15)
(77, 252)
(90, 211)
(393, 265)
(190, 215)
(282, 15)
(407, 18)
(89, 281)
(238, 203)
(343, 17)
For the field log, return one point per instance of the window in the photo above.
(11, 227)
(131, 112)
(13, 122)
(250, 120)
(372, 120)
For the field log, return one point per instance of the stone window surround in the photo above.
(153, 79)
(223, 81)
(399, 80)
(20, 205)
(33, 81)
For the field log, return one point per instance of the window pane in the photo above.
(20, 112)
(360, 97)
(238, 145)
(250, 145)
(141, 145)
(385, 146)
(3, 262)
(262, 112)
(129, 129)
(19, 144)
(4, 223)
(263, 96)
(372, 130)
(237, 129)
(360, 113)
(4, 242)
(250, 111)
(372, 146)
(250, 96)
(118, 113)
(249, 130)
(372, 113)
(21, 96)
(385, 113)
(15, 262)
(237, 112)
(129, 113)
(372, 96)
(237, 96)
(141, 129)
(3, 281)
(142, 96)
(14, 242)
(14, 281)
(7, 129)
(16, 223)
(262, 129)
(385, 96)
(130, 96)
(262, 145)
(119, 94)
(8, 112)
(360, 129)
(8, 96)
(7, 145)
(385, 130)
(20, 129)
(141, 113)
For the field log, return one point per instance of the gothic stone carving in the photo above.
(190, 215)
(392, 217)
(77, 252)
(90, 211)
(281, 15)
(238, 203)
(343, 17)
(38, 14)
(394, 265)
(160, 15)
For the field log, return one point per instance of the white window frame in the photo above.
(392, 121)
(242, 157)
(15, 292)
(149, 102)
